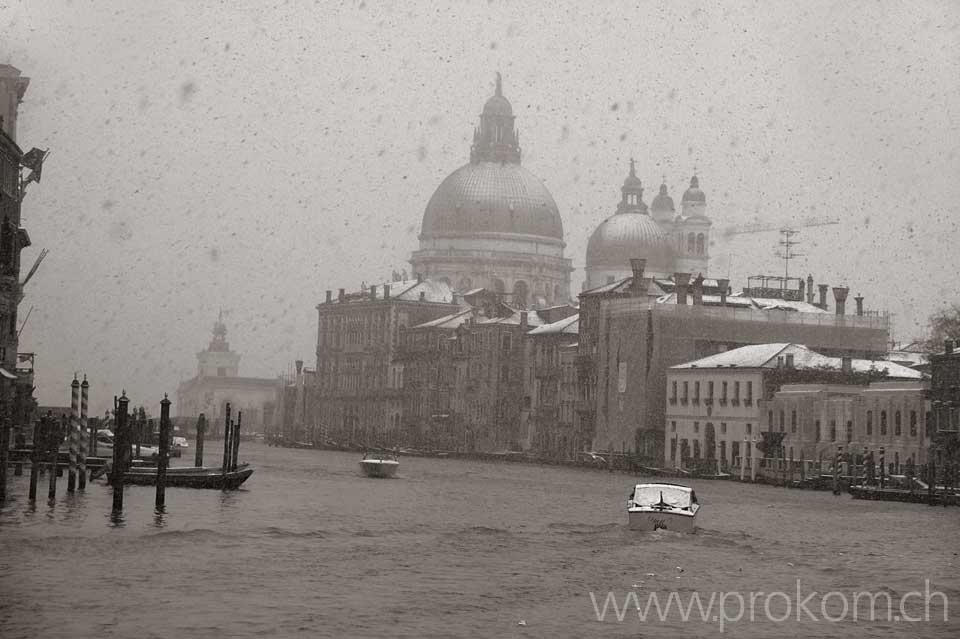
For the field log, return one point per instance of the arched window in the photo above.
(883, 422)
(896, 423)
(520, 294)
(691, 243)
(700, 246)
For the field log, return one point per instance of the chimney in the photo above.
(698, 290)
(637, 264)
(373, 291)
(724, 286)
(423, 296)
(329, 296)
(789, 360)
(823, 296)
(809, 289)
(681, 280)
(840, 296)
(340, 294)
(386, 291)
(859, 300)
(299, 365)
(524, 321)
(947, 346)
(846, 364)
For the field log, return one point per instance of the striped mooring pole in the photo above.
(883, 467)
(84, 432)
(72, 436)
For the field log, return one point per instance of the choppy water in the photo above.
(448, 549)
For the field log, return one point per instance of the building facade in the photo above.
(13, 239)
(638, 339)
(357, 398)
(493, 224)
(218, 382)
(552, 379)
(718, 407)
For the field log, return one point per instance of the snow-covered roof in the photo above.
(767, 356)
(569, 325)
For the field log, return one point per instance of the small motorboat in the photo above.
(379, 465)
(662, 507)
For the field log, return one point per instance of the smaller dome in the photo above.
(627, 235)
(632, 181)
(694, 194)
(662, 202)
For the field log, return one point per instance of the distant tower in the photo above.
(692, 230)
(662, 209)
(218, 360)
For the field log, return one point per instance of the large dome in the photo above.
(492, 197)
(627, 235)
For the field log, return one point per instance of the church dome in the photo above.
(694, 194)
(662, 202)
(492, 197)
(627, 235)
(498, 105)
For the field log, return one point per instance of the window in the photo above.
(770, 420)
(696, 449)
(793, 420)
(507, 342)
(691, 242)
(817, 434)
(869, 423)
(896, 424)
(696, 392)
(833, 430)
(913, 423)
(849, 431)
(883, 422)
(723, 428)
(749, 429)
(782, 420)
(686, 392)
(736, 393)
(723, 393)
(749, 400)
(673, 427)
(710, 390)
(673, 392)
(700, 247)
(696, 427)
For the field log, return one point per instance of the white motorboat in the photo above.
(662, 507)
(379, 465)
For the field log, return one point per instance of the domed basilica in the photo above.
(493, 224)
(669, 242)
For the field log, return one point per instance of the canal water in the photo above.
(309, 548)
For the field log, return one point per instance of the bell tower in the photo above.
(496, 139)
(217, 360)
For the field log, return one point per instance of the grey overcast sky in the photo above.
(251, 155)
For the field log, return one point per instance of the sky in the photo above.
(247, 156)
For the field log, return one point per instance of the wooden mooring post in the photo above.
(836, 470)
(121, 441)
(201, 428)
(883, 467)
(226, 438)
(235, 453)
(35, 460)
(164, 452)
(4, 448)
(53, 444)
(72, 436)
(83, 432)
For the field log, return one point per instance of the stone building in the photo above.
(635, 338)
(493, 224)
(943, 399)
(552, 380)
(669, 242)
(717, 407)
(357, 397)
(218, 382)
(463, 378)
(13, 239)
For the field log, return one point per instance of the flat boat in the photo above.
(379, 465)
(191, 477)
(662, 506)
